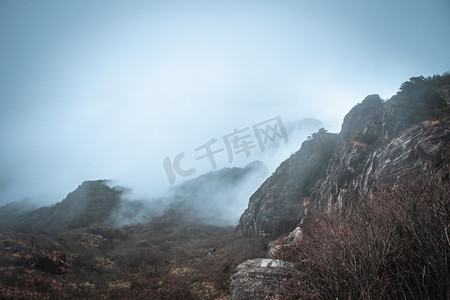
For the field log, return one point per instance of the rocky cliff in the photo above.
(378, 141)
(278, 205)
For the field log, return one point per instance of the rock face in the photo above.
(379, 140)
(359, 173)
(260, 278)
(282, 200)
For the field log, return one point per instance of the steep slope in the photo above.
(381, 140)
(378, 141)
(360, 171)
(277, 206)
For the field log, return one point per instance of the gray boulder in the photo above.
(260, 278)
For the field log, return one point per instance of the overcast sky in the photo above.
(109, 89)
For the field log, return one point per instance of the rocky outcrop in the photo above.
(282, 200)
(360, 168)
(292, 239)
(260, 278)
(379, 140)
(378, 143)
(374, 148)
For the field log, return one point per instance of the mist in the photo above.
(109, 90)
(216, 198)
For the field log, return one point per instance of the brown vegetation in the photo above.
(393, 246)
(165, 259)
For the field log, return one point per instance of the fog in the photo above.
(111, 89)
(217, 198)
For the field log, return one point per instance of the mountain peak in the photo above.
(377, 141)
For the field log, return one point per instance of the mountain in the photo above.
(218, 197)
(277, 206)
(361, 214)
(379, 140)
(97, 244)
(92, 201)
(370, 206)
(215, 198)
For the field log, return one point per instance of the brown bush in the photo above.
(394, 246)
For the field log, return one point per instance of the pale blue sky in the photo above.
(108, 89)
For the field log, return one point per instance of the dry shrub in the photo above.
(394, 246)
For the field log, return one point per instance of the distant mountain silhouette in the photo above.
(205, 199)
